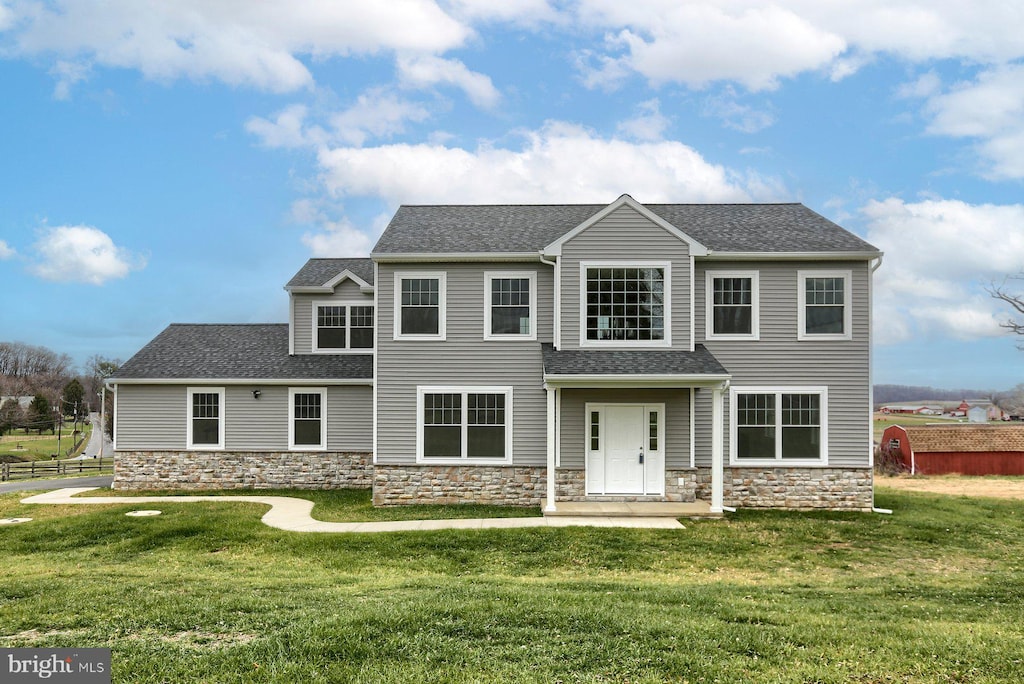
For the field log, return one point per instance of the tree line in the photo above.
(57, 388)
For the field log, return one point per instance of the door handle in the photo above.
(641, 456)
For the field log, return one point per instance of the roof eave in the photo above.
(421, 257)
(571, 380)
(790, 256)
(240, 381)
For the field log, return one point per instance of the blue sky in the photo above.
(179, 161)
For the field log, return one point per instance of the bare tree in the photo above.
(1016, 302)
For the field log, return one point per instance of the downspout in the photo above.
(556, 309)
(874, 508)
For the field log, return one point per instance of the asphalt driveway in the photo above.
(33, 485)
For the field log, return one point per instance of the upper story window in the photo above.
(342, 326)
(510, 305)
(779, 424)
(205, 428)
(420, 306)
(625, 304)
(307, 418)
(824, 305)
(732, 305)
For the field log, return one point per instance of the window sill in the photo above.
(464, 461)
(778, 463)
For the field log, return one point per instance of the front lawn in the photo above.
(207, 593)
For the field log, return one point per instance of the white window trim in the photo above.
(442, 295)
(778, 461)
(348, 304)
(422, 390)
(709, 305)
(801, 282)
(219, 391)
(666, 267)
(292, 391)
(526, 275)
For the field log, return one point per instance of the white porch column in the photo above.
(550, 506)
(717, 450)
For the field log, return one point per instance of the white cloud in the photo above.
(559, 162)
(377, 113)
(428, 71)
(67, 75)
(939, 257)
(6, 251)
(727, 109)
(925, 85)
(255, 44)
(338, 239)
(522, 12)
(756, 45)
(991, 110)
(699, 43)
(288, 129)
(82, 254)
(648, 124)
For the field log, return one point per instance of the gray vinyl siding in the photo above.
(154, 418)
(463, 359)
(302, 326)
(625, 235)
(778, 358)
(573, 427)
(150, 417)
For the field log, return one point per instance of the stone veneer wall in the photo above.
(500, 485)
(793, 488)
(241, 470)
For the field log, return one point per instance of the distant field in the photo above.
(882, 421)
(37, 447)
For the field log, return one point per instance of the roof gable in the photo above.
(323, 275)
(555, 247)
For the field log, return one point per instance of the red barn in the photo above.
(969, 449)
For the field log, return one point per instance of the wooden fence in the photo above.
(31, 469)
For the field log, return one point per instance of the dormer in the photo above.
(331, 307)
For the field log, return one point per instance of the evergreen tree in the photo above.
(74, 398)
(39, 416)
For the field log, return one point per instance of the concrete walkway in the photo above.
(295, 515)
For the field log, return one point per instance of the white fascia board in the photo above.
(790, 256)
(242, 381)
(419, 257)
(637, 380)
(696, 248)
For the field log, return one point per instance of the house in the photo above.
(660, 352)
(965, 448)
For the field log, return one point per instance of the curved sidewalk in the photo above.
(295, 515)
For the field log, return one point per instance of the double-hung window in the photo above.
(779, 425)
(307, 418)
(510, 305)
(420, 306)
(732, 305)
(464, 424)
(625, 304)
(824, 305)
(205, 428)
(338, 326)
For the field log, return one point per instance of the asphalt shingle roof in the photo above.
(243, 352)
(630, 362)
(317, 272)
(965, 438)
(452, 229)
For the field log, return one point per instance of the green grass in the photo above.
(36, 447)
(206, 593)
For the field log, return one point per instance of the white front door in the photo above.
(624, 449)
(625, 452)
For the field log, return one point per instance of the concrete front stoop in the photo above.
(631, 509)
